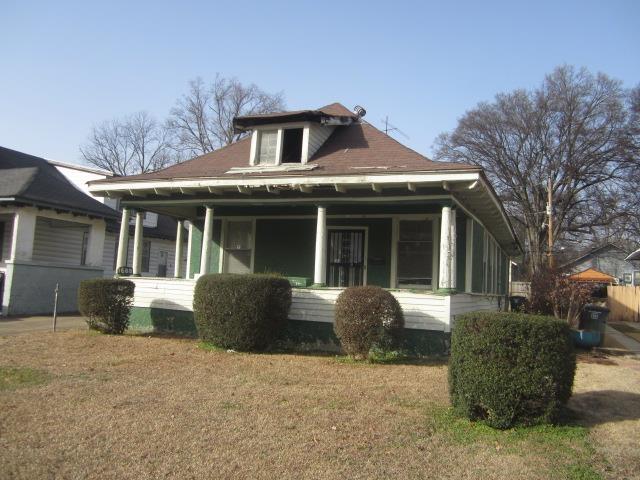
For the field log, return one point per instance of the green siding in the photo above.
(477, 266)
(196, 246)
(285, 246)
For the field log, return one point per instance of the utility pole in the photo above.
(550, 221)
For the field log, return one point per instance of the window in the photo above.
(85, 246)
(415, 254)
(238, 247)
(268, 147)
(292, 145)
(146, 255)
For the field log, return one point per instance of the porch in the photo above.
(167, 304)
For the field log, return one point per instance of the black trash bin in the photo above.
(594, 319)
(517, 303)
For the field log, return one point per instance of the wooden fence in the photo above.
(624, 303)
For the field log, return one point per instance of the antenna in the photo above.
(388, 127)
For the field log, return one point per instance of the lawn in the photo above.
(81, 405)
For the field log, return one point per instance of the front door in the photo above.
(346, 258)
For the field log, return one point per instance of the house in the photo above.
(326, 199)
(50, 233)
(608, 259)
(158, 250)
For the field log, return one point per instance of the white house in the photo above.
(50, 233)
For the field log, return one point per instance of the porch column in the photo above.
(95, 247)
(320, 269)
(189, 273)
(123, 240)
(177, 269)
(23, 235)
(447, 270)
(137, 244)
(207, 237)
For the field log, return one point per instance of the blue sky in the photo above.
(67, 65)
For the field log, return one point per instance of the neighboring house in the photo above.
(50, 233)
(159, 230)
(608, 259)
(326, 199)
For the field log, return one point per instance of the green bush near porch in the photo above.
(241, 312)
(368, 316)
(510, 368)
(106, 303)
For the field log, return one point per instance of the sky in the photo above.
(65, 66)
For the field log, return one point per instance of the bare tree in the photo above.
(572, 130)
(135, 144)
(202, 120)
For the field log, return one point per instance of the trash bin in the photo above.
(593, 323)
(517, 303)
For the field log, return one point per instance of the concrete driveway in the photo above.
(17, 325)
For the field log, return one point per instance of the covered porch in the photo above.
(421, 249)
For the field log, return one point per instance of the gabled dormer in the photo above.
(289, 139)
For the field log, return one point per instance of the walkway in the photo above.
(16, 325)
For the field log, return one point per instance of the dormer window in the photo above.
(292, 145)
(286, 146)
(268, 148)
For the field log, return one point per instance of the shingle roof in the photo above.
(350, 150)
(33, 180)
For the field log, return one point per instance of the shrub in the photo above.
(106, 303)
(552, 293)
(367, 316)
(510, 368)
(242, 312)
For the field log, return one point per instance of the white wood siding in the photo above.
(58, 242)
(464, 302)
(422, 311)
(317, 136)
(164, 293)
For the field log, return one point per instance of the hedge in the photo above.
(241, 312)
(510, 368)
(106, 303)
(367, 316)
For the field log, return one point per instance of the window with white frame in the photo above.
(267, 147)
(415, 254)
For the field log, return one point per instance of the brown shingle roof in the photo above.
(350, 150)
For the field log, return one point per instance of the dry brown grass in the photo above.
(138, 407)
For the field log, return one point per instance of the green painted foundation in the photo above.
(299, 334)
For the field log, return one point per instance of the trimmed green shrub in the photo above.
(241, 312)
(510, 368)
(367, 316)
(106, 303)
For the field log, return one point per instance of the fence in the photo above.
(624, 303)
